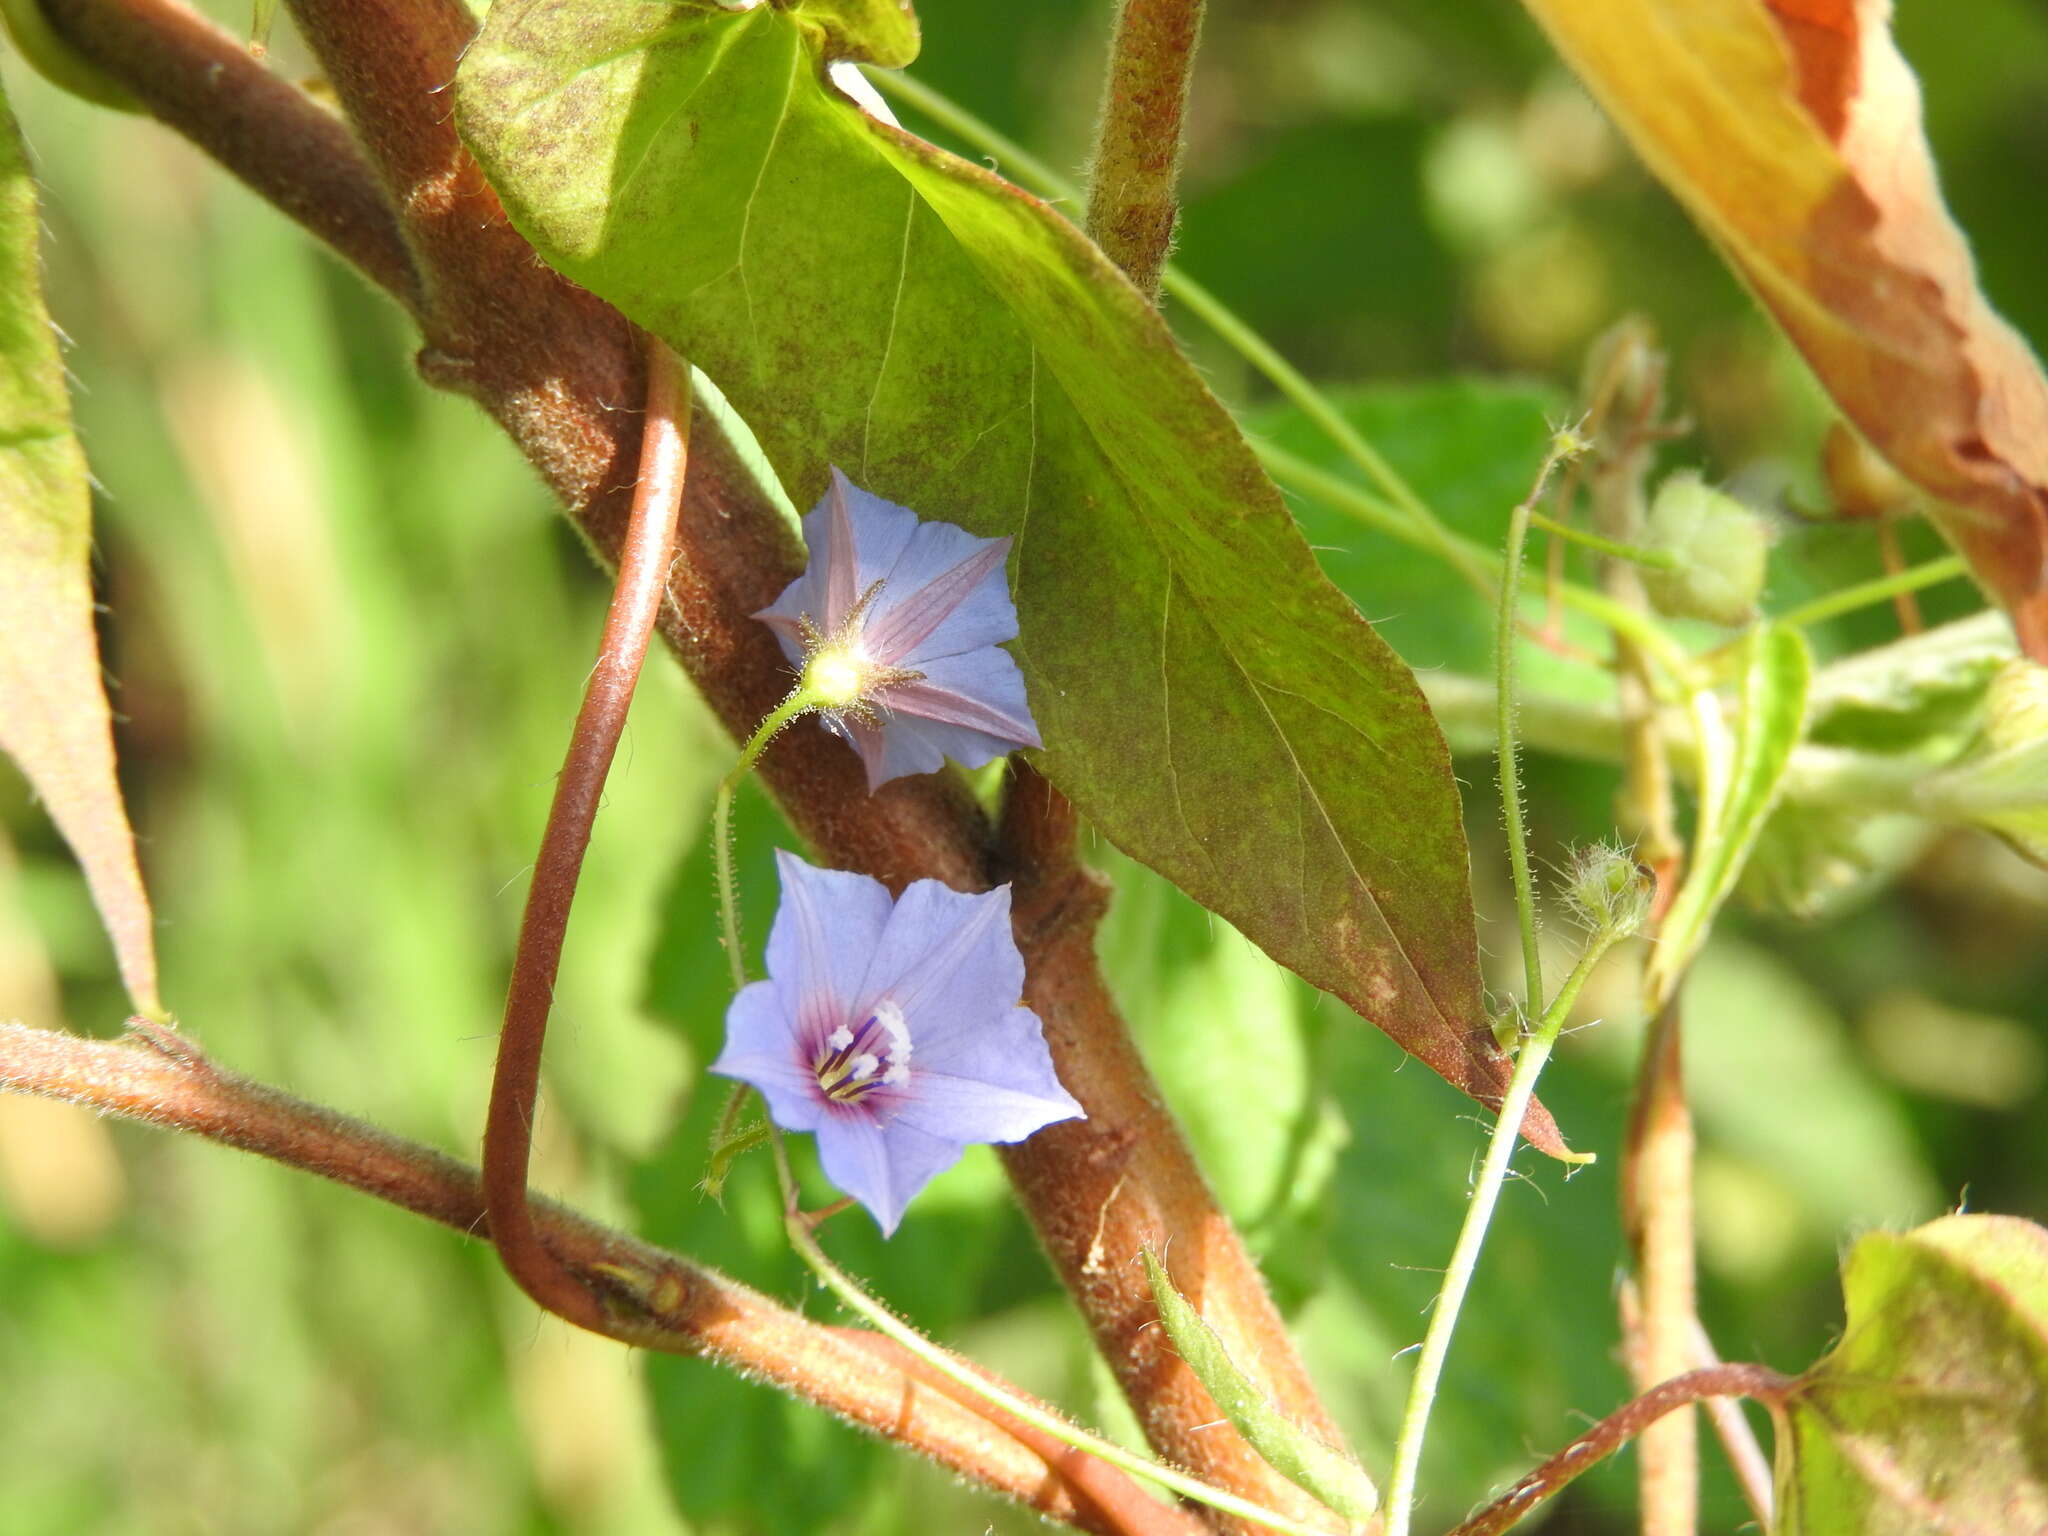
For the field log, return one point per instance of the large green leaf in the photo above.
(865, 299)
(54, 720)
(1931, 1415)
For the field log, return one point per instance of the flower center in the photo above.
(836, 676)
(856, 1060)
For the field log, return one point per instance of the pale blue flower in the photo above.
(899, 623)
(894, 1030)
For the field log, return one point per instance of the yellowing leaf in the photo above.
(1931, 1415)
(1791, 131)
(54, 720)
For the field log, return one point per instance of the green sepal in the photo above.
(1328, 1475)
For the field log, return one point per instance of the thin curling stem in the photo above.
(644, 563)
(1507, 637)
(1715, 1382)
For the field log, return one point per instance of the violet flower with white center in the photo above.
(893, 1030)
(896, 626)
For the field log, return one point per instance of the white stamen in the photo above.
(896, 1030)
(862, 1067)
(840, 1038)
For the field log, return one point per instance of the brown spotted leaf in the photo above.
(54, 719)
(1791, 131)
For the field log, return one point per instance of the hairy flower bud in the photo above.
(1608, 890)
(1718, 547)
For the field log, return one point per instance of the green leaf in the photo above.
(1213, 706)
(1777, 669)
(2002, 784)
(1227, 1036)
(1328, 1474)
(1898, 697)
(1931, 1415)
(54, 719)
(1469, 448)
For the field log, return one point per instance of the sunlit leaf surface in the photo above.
(866, 300)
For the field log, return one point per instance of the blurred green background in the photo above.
(348, 633)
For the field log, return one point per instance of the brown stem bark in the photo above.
(652, 1298)
(1657, 1216)
(201, 81)
(561, 371)
(1133, 196)
(1105, 1189)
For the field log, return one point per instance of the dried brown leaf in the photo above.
(54, 719)
(1791, 131)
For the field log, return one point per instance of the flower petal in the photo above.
(877, 532)
(889, 754)
(854, 540)
(981, 691)
(824, 935)
(946, 593)
(996, 1085)
(762, 1048)
(947, 960)
(831, 522)
(882, 1167)
(941, 717)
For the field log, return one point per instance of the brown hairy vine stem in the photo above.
(1616, 1430)
(656, 1299)
(557, 369)
(1657, 1217)
(1133, 201)
(1122, 1182)
(201, 81)
(649, 549)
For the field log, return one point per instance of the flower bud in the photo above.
(1624, 360)
(1718, 547)
(1609, 890)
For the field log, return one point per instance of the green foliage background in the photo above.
(349, 632)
